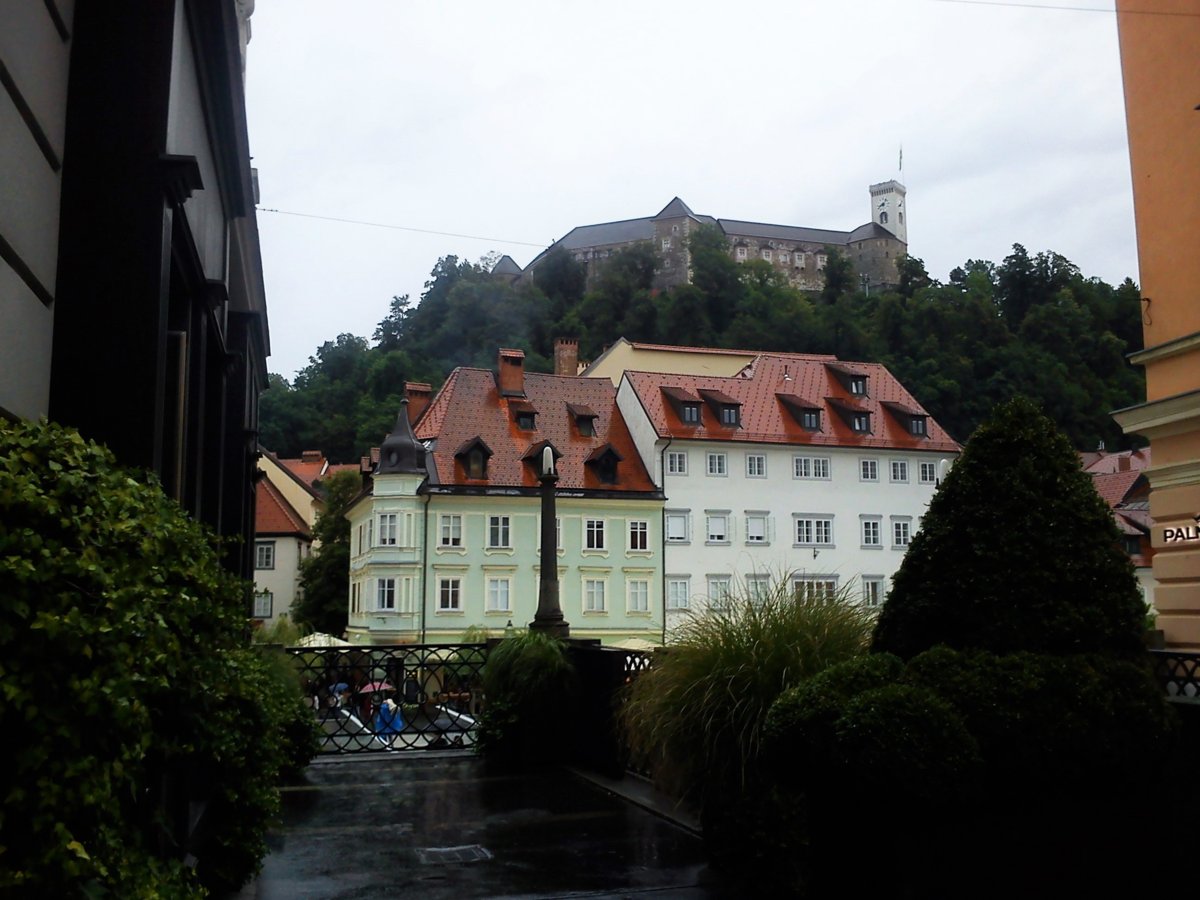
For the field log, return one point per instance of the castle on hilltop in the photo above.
(800, 253)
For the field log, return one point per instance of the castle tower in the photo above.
(888, 208)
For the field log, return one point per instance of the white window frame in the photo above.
(595, 595)
(873, 591)
(811, 468)
(898, 470)
(928, 473)
(758, 588)
(498, 590)
(740, 253)
(666, 244)
(825, 585)
(717, 526)
(677, 462)
(637, 595)
(917, 426)
(756, 465)
(450, 530)
(680, 517)
(264, 600)
(264, 554)
(499, 533)
(679, 591)
(872, 532)
(868, 469)
(594, 537)
(716, 464)
(639, 533)
(387, 530)
(720, 590)
(901, 532)
(812, 530)
(385, 594)
(758, 527)
(766, 254)
(449, 593)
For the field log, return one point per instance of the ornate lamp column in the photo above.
(549, 616)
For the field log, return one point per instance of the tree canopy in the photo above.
(1031, 324)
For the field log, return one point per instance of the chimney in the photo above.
(418, 395)
(511, 373)
(566, 356)
(1123, 462)
(310, 456)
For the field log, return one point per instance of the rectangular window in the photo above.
(871, 536)
(783, 257)
(264, 555)
(666, 244)
(639, 535)
(917, 426)
(718, 591)
(872, 591)
(756, 528)
(679, 592)
(639, 595)
(593, 595)
(868, 470)
(810, 420)
(385, 594)
(810, 467)
(928, 473)
(498, 593)
(498, 532)
(718, 528)
(858, 386)
(815, 586)
(676, 462)
(450, 594)
(691, 413)
(899, 470)
(766, 254)
(901, 532)
(717, 464)
(756, 465)
(450, 531)
(814, 530)
(356, 598)
(677, 527)
(387, 530)
(740, 253)
(371, 532)
(263, 601)
(860, 422)
(593, 531)
(758, 588)
(729, 416)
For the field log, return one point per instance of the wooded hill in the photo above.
(1032, 325)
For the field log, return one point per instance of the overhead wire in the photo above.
(344, 221)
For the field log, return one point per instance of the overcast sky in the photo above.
(510, 123)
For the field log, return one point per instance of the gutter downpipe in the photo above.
(662, 534)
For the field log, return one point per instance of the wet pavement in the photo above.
(448, 827)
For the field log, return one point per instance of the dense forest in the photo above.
(1032, 325)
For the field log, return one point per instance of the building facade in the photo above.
(447, 537)
(800, 471)
(130, 279)
(282, 541)
(1162, 88)
(798, 253)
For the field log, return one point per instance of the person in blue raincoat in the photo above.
(388, 719)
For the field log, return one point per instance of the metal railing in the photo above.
(384, 699)
(1178, 673)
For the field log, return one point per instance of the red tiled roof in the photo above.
(470, 406)
(273, 514)
(1114, 487)
(764, 418)
(1098, 462)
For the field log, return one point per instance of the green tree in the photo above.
(1017, 552)
(839, 276)
(325, 575)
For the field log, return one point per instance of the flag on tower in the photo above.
(901, 157)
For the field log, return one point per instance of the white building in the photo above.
(800, 467)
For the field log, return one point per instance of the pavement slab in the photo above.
(450, 827)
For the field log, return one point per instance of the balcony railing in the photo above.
(1178, 673)
(383, 699)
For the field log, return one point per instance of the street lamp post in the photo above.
(549, 617)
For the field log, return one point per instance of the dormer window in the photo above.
(691, 413)
(852, 380)
(858, 386)
(585, 419)
(854, 413)
(685, 403)
(861, 422)
(524, 414)
(726, 409)
(804, 413)
(604, 461)
(525, 421)
(916, 426)
(474, 455)
(914, 421)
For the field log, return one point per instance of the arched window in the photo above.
(883, 218)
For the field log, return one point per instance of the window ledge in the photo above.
(456, 551)
(499, 551)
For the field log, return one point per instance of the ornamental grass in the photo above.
(695, 718)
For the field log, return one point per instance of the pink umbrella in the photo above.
(375, 687)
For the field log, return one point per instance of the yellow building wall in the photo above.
(623, 356)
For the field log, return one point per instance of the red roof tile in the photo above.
(764, 418)
(273, 514)
(470, 406)
(1100, 462)
(1114, 487)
